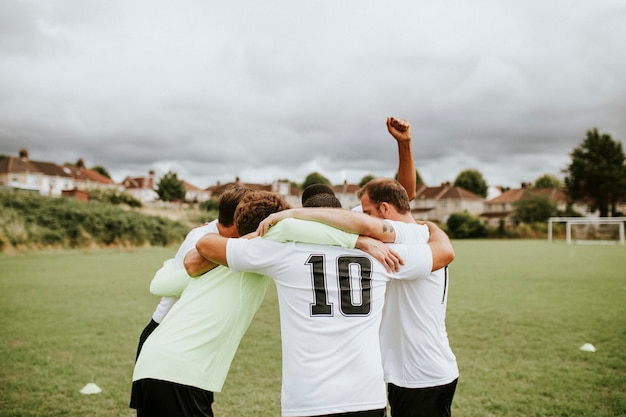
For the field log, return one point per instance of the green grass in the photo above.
(518, 313)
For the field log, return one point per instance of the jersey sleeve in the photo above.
(192, 238)
(253, 255)
(305, 231)
(170, 280)
(410, 233)
(418, 261)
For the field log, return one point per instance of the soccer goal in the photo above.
(591, 230)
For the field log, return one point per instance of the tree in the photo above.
(465, 226)
(366, 179)
(548, 181)
(170, 188)
(315, 178)
(472, 180)
(597, 173)
(534, 208)
(102, 171)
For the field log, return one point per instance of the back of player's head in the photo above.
(315, 189)
(387, 190)
(254, 207)
(322, 200)
(227, 204)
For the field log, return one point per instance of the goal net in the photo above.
(591, 231)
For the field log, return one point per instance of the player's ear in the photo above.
(384, 209)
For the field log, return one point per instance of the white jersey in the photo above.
(414, 342)
(171, 279)
(330, 302)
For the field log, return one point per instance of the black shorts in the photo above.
(147, 331)
(155, 398)
(421, 402)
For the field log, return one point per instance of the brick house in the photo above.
(48, 178)
(501, 208)
(438, 203)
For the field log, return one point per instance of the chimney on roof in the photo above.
(80, 164)
(24, 154)
(237, 180)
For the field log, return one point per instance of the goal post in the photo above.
(594, 230)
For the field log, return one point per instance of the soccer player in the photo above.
(171, 279)
(187, 357)
(330, 302)
(420, 368)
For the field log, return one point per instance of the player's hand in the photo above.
(400, 129)
(381, 252)
(270, 221)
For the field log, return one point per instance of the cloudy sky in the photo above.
(280, 88)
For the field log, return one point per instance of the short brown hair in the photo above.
(254, 207)
(387, 190)
(227, 204)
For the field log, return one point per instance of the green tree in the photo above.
(366, 179)
(534, 208)
(170, 188)
(597, 173)
(465, 226)
(102, 171)
(472, 180)
(548, 181)
(315, 178)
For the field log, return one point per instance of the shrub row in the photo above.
(35, 221)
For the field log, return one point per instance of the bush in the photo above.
(465, 226)
(36, 221)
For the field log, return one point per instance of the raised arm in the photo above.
(349, 221)
(401, 132)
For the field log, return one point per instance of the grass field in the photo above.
(518, 313)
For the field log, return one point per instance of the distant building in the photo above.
(48, 178)
(141, 188)
(501, 208)
(438, 203)
(290, 193)
(195, 194)
(347, 194)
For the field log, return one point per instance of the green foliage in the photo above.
(31, 220)
(548, 181)
(597, 172)
(534, 208)
(115, 197)
(315, 178)
(170, 188)
(465, 226)
(517, 313)
(472, 180)
(102, 171)
(365, 180)
(209, 205)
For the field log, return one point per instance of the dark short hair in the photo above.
(315, 189)
(387, 190)
(227, 204)
(254, 207)
(322, 200)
